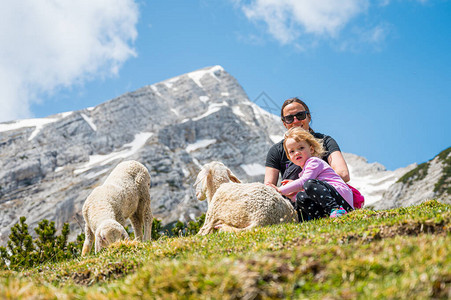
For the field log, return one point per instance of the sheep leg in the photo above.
(208, 225)
(98, 244)
(145, 210)
(89, 238)
(148, 218)
(137, 224)
(206, 229)
(228, 228)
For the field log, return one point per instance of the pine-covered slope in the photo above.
(429, 180)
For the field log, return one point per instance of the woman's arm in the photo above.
(271, 175)
(338, 163)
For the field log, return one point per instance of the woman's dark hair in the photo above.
(297, 100)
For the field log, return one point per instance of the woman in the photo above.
(295, 113)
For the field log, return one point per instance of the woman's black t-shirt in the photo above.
(277, 158)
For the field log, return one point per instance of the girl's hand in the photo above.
(291, 195)
(273, 186)
(286, 181)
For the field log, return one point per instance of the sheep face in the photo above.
(109, 232)
(201, 184)
(210, 177)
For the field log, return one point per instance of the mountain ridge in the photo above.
(50, 165)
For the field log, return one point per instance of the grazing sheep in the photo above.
(234, 206)
(123, 195)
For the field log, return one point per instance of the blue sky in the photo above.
(376, 74)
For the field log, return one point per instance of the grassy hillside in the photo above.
(402, 253)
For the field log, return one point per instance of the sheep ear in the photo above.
(232, 177)
(199, 179)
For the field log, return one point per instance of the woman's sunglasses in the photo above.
(299, 115)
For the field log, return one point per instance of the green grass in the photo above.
(402, 253)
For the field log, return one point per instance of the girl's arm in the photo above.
(292, 187)
(310, 171)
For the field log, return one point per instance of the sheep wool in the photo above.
(124, 195)
(234, 206)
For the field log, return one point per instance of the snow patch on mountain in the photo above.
(214, 107)
(37, 123)
(89, 121)
(371, 179)
(204, 99)
(276, 138)
(199, 144)
(196, 76)
(253, 169)
(135, 145)
(155, 89)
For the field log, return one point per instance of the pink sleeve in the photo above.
(311, 171)
(294, 186)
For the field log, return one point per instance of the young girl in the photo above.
(319, 191)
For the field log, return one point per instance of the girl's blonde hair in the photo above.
(299, 134)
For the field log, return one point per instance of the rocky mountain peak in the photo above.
(50, 165)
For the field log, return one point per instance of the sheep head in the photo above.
(109, 232)
(210, 177)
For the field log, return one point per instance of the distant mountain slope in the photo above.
(372, 179)
(407, 186)
(429, 180)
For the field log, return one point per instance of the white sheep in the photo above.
(234, 206)
(124, 195)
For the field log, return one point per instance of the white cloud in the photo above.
(48, 44)
(362, 36)
(287, 20)
(377, 34)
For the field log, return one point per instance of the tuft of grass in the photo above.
(401, 253)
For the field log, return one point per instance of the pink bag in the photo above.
(358, 198)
